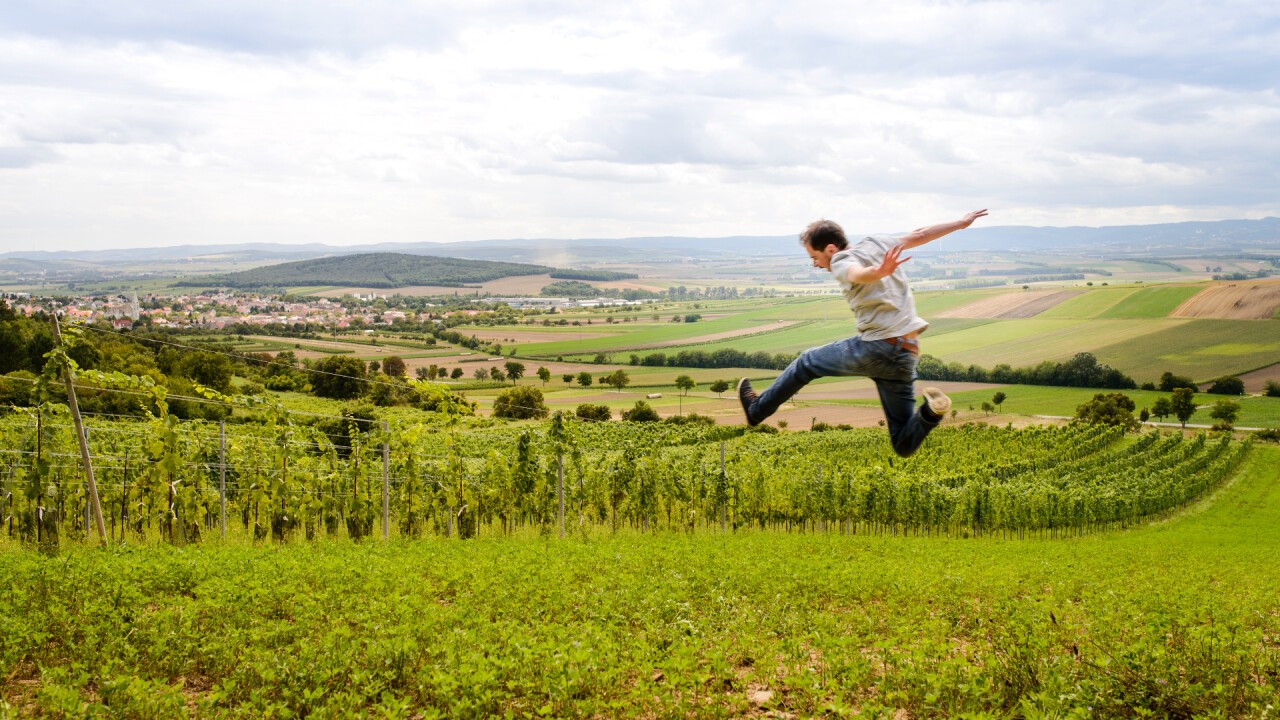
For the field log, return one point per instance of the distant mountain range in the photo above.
(1167, 240)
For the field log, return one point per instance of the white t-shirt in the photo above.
(884, 308)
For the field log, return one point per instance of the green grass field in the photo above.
(1177, 618)
(1200, 349)
(1088, 304)
(1152, 302)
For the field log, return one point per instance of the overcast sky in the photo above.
(138, 123)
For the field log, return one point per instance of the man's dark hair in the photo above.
(822, 233)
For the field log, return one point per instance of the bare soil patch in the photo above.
(1021, 304)
(1256, 300)
(1256, 381)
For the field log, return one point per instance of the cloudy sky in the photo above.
(139, 123)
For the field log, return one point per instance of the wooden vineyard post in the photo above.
(724, 501)
(386, 481)
(88, 511)
(80, 437)
(560, 489)
(222, 477)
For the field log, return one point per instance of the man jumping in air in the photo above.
(886, 348)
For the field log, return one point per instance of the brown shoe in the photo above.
(747, 397)
(936, 402)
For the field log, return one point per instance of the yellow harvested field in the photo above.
(1017, 304)
(1246, 300)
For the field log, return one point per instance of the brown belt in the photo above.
(910, 344)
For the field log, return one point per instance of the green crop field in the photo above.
(1200, 349)
(1152, 302)
(1088, 304)
(1173, 617)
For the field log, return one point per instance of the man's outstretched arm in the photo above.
(920, 236)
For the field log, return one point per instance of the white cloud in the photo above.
(237, 121)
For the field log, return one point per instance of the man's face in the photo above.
(822, 258)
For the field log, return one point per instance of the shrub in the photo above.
(642, 412)
(1272, 388)
(598, 413)
(1227, 385)
(521, 402)
(690, 419)
(1108, 409)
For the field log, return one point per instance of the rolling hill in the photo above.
(373, 270)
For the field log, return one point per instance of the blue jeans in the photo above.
(892, 367)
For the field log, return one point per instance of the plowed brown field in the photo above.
(1024, 304)
(1256, 300)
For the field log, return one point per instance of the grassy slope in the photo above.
(1152, 302)
(1200, 349)
(667, 625)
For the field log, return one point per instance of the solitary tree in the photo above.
(685, 383)
(567, 377)
(719, 386)
(585, 379)
(618, 380)
(544, 375)
(1225, 412)
(1183, 404)
(421, 373)
(998, 399)
(515, 370)
(394, 366)
(457, 373)
(1161, 408)
(495, 373)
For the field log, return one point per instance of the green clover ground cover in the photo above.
(1175, 619)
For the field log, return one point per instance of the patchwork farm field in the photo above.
(1132, 328)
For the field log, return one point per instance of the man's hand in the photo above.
(968, 219)
(891, 261)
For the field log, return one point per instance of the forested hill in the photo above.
(371, 270)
